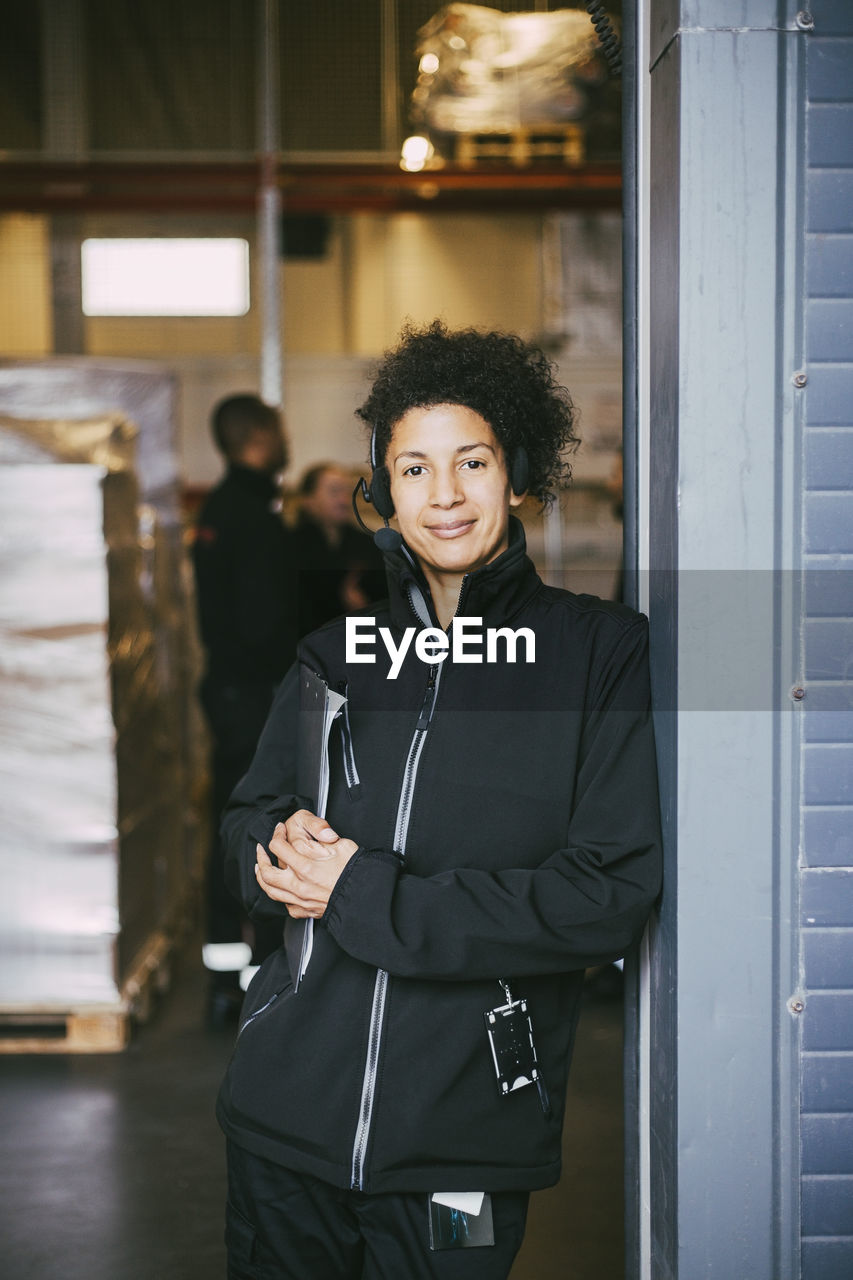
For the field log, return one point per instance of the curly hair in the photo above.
(508, 382)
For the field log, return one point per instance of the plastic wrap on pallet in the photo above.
(482, 70)
(92, 773)
(58, 787)
(145, 393)
(86, 388)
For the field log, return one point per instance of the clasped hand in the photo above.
(311, 858)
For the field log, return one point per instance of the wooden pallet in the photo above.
(520, 147)
(150, 975)
(98, 1029)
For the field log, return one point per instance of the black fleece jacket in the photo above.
(245, 573)
(508, 828)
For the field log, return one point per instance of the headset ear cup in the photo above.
(519, 472)
(380, 493)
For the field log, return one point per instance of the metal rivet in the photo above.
(799, 379)
(796, 1005)
(805, 20)
(798, 693)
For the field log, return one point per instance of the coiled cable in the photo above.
(607, 37)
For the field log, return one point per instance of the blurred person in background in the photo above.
(339, 567)
(243, 561)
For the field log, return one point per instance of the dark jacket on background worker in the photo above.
(326, 571)
(243, 559)
(245, 589)
(507, 816)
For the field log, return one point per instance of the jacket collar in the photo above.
(261, 484)
(494, 592)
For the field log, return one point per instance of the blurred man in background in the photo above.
(243, 560)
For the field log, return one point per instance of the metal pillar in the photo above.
(720, 173)
(269, 205)
(390, 59)
(636, 1136)
(65, 138)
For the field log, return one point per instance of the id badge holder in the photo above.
(510, 1031)
(451, 1227)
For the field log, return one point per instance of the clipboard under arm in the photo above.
(318, 708)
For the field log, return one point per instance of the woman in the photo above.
(491, 830)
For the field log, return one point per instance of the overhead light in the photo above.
(416, 154)
(428, 64)
(165, 276)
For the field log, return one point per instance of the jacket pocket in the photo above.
(253, 1017)
(266, 1000)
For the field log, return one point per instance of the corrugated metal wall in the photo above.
(827, 796)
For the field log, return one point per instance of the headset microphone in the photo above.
(388, 539)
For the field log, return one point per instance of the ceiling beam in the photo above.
(49, 187)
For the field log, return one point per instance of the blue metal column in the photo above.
(723, 169)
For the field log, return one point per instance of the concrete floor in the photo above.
(111, 1166)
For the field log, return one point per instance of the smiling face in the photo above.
(451, 490)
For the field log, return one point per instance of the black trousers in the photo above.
(236, 714)
(283, 1225)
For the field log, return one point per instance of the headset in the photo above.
(378, 493)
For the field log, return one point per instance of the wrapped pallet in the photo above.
(482, 71)
(93, 772)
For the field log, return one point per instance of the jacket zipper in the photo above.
(368, 1086)
(380, 987)
(350, 770)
